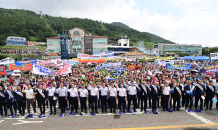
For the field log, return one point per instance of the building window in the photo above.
(76, 32)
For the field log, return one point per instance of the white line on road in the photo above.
(201, 118)
(1, 121)
(25, 122)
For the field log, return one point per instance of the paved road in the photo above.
(165, 120)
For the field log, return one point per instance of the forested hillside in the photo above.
(121, 25)
(28, 24)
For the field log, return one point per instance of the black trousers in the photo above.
(197, 98)
(189, 99)
(158, 102)
(165, 101)
(132, 98)
(41, 104)
(176, 102)
(171, 100)
(104, 103)
(112, 103)
(138, 100)
(154, 102)
(149, 101)
(9, 105)
(52, 103)
(74, 103)
(183, 98)
(161, 102)
(31, 101)
(21, 106)
(217, 102)
(122, 102)
(209, 99)
(93, 100)
(144, 100)
(62, 101)
(83, 104)
(3, 106)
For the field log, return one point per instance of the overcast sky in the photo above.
(181, 21)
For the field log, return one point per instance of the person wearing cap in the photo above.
(199, 92)
(2, 101)
(210, 94)
(62, 98)
(20, 100)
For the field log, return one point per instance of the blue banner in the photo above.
(173, 66)
(22, 63)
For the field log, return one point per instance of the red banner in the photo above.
(131, 67)
(91, 60)
(25, 67)
(2, 70)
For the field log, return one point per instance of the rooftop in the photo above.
(53, 38)
(100, 36)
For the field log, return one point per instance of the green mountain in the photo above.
(24, 23)
(121, 25)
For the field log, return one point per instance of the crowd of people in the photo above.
(149, 86)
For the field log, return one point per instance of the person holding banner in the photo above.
(190, 93)
(30, 99)
(177, 97)
(210, 93)
(41, 99)
(62, 98)
(200, 94)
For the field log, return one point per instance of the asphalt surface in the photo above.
(178, 119)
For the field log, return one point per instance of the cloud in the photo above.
(193, 22)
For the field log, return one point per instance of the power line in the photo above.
(63, 8)
(54, 8)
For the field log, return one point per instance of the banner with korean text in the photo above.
(172, 66)
(25, 67)
(209, 69)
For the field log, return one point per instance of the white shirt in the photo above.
(83, 93)
(122, 92)
(29, 94)
(104, 91)
(113, 92)
(94, 91)
(73, 92)
(51, 91)
(166, 90)
(62, 92)
(183, 86)
(132, 90)
(144, 87)
(217, 88)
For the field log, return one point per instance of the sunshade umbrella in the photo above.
(16, 71)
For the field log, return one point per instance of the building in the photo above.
(134, 54)
(20, 41)
(76, 40)
(121, 47)
(124, 41)
(100, 43)
(88, 44)
(35, 43)
(53, 45)
(170, 49)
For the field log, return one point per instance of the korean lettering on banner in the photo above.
(209, 69)
(214, 56)
(25, 67)
(172, 66)
(131, 67)
(2, 70)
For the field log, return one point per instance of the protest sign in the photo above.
(131, 67)
(172, 66)
(24, 67)
(2, 70)
(209, 69)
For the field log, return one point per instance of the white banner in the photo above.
(214, 56)
(45, 71)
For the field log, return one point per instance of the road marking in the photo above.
(1, 121)
(162, 127)
(25, 122)
(201, 118)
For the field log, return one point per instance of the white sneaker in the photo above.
(43, 114)
(35, 114)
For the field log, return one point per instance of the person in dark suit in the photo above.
(172, 94)
(20, 100)
(41, 98)
(144, 94)
(199, 91)
(2, 101)
(190, 93)
(182, 86)
(154, 95)
(177, 96)
(210, 93)
(9, 95)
